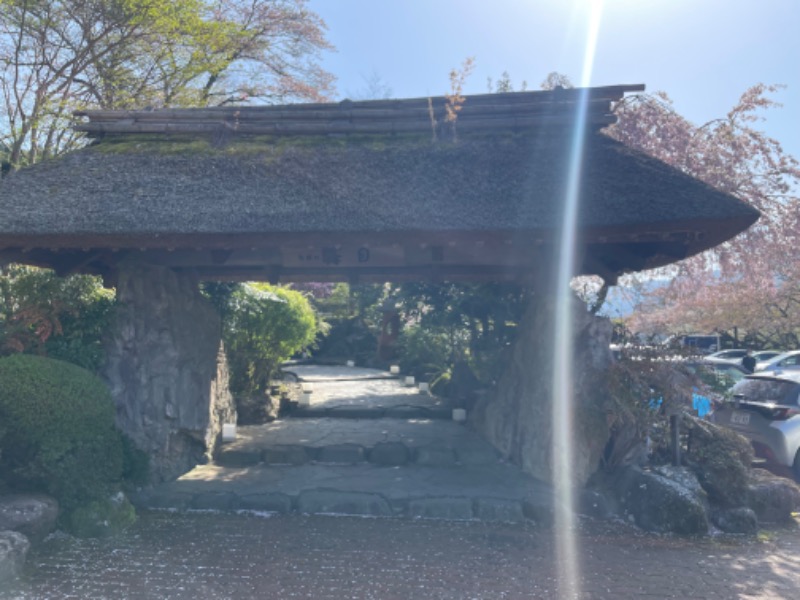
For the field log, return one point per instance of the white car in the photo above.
(787, 361)
(765, 408)
(729, 356)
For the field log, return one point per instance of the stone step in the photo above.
(373, 411)
(383, 454)
(328, 373)
(385, 442)
(498, 492)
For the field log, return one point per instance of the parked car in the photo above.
(765, 408)
(783, 362)
(762, 356)
(734, 355)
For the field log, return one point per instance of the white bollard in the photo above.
(423, 387)
(305, 399)
(459, 415)
(394, 370)
(228, 432)
(409, 380)
(351, 363)
(307, 387)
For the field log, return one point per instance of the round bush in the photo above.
(58, 432)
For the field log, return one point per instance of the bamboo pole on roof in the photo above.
(321, 128)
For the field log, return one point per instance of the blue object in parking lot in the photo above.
(701, 404)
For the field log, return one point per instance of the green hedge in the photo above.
(58, 432)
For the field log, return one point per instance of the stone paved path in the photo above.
(199, 556)
(371, 467)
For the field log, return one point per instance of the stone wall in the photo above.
(516, 418)
(166, 369)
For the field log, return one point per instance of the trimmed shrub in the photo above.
(59, 435)
(263, 326)
(102, 518)
(425, 353)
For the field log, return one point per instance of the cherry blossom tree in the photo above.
(751, 284)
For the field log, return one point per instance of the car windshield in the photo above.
(767, 390)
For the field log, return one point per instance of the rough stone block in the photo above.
(13, 550)
(773, 498)
(496, 509)
(163, 351)
(285, 455)
(356, 412)
(539, 508)
(594, 504)
(477, 455)
(436, 456)
(441, 508)
(345, 503)
(662, 504)
(269, 502)
(33, 515)
(736, 520)
(407, 412)
(341, 453)
(389, 454)
(215, 501)
(238, 459)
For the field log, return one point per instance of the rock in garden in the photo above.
(721, 460)
(661, 504)
(33, 515)
(773, 498)
(735, 520)
(13, 549)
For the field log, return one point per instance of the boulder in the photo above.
(735, 520)
(13, 549)
(166, 368)
(517, 417)
(33, 515)
(663, 504)
(720, 458)
(390, 454)
(772, 498)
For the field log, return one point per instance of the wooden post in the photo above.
(675, 436)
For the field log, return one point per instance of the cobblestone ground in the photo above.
(202, 555)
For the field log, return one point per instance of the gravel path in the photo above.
(203, 555)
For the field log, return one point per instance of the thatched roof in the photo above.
(238, 190)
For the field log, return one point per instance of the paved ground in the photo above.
(202, 556)
(353, 392)
(414, 434)
(335, 373)
(371, 467)
(206, 554)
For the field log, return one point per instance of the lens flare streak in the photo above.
(562, 424)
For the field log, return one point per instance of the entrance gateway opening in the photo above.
(360, 192)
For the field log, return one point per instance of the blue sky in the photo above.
(703, 53)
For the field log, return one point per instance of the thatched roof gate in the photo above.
(358, 191)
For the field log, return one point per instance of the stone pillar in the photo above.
(516, 418)
(166, 370)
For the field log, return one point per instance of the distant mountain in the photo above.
(622, 299)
